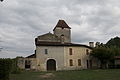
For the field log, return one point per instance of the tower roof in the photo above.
(62, 24)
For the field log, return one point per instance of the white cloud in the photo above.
(23, 20)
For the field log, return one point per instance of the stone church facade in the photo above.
(55, 51)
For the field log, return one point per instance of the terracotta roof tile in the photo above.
(62, 24)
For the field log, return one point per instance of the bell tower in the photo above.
(63, 31)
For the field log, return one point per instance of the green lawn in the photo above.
(110, 74)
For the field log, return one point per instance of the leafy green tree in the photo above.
(116, 50)
(114, 42)
(5, 68)
(104, 54)
(8, 66)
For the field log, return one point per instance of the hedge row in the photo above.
(8, 66)
(5, 68)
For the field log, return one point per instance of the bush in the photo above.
(15, 68)
(5, 68)
(8, 66)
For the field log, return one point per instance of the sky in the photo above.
(21, 21)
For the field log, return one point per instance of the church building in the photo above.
(55, 51)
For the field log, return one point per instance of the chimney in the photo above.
(91, 44)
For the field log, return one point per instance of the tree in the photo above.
(116, 50)
(104, 54)
(114, 42)
(5, 68)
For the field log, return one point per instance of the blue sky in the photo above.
(21, 21)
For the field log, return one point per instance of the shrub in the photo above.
(15, 68)
(8, 66)
(5, 68)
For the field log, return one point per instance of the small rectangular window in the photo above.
(46, 51)
(79, 62)
(71, 62)
(87, 52)
(70, 51)
(27, 62)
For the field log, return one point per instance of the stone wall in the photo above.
(54, 52)
(61, 55)
(66, 32)
(33, 63)
(77, 53)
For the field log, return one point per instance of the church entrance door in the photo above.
(51, 65)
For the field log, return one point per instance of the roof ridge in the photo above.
(46, 34)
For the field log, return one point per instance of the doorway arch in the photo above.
(51, 65)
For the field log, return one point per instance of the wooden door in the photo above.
(51, 65)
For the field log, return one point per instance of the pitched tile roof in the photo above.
(62, 24)
(31, 56)
(50, 34)
(43, 43)
(48, 37)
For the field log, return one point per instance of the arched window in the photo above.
(87, 52)
(62, 35)
(62, 38)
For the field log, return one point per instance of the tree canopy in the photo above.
(107, 52)
(114, 42)
(104, 54)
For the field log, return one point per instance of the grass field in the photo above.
(110, 74)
